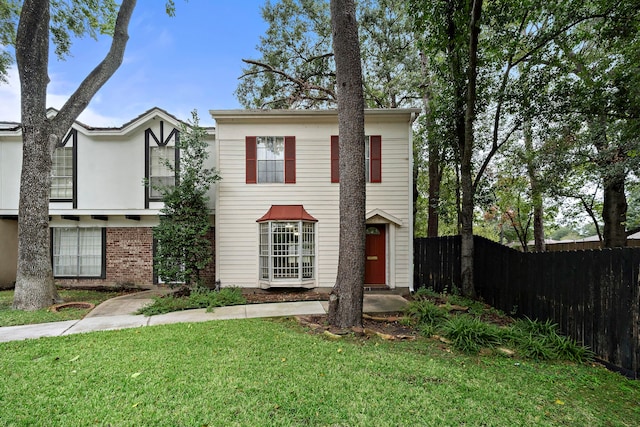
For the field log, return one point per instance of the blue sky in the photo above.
(190, 61)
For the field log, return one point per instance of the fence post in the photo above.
(635, 326)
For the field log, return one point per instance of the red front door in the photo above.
(375, 267)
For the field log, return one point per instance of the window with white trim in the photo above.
(62, 173)
(270, 158)
(160, 174)
(287, 250)
(77, 252)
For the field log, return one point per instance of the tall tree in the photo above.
(34, 283)
(183, 249)
(345, 301)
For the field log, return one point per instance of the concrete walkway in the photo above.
(117, 313)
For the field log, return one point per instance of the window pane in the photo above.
(288, 250)
(367, 159)
(77, 252)
(65, 252)
(270, 158)
(62, 173)
(159, 172)
(90, 251)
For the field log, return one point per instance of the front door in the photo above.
(375, 267)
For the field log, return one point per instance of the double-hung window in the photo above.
(78, 252)
(270, 159)
(62, 174)
(160, 173)
(372, 154)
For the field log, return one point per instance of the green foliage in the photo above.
(198, 298)
(183, 249)
(426, 312)
(469, 334)
(542, 341)
(256, 372)
(69, 19)
(296, 68)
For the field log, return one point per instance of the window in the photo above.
(287, 250)
(287, 245)
(373, 158)
(78, 252)
(62, 174)
(159, 172)
(270, 159)
(157, 153)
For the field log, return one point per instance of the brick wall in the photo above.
(130, 255)
(130, 260)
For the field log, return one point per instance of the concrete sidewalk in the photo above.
(117, 313)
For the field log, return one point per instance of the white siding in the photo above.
(239, 205)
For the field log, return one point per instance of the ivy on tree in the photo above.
(183, 249)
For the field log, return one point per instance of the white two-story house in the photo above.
(275, 211)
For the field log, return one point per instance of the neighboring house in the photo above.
(277, 216)
(275, 210)
(101, 214)
(589, 243)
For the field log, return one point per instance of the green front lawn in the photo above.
(271, 373)
(11, 317)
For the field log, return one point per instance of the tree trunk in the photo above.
(536, 193)
(34, 279)
(345, 301)
(434, 154)
(35, 287)
(466, 152)
(614, 212)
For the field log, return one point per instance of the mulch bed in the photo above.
(387, 326)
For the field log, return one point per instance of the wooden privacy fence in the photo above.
(593, 296)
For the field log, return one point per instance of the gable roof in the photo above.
(126, 128)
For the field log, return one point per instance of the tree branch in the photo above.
(301, 83)
(79, 100)
(494, 149)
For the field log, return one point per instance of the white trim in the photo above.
(385, 216)
(410, 207)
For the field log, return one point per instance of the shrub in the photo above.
(425, 293)
(198, 298)
(469, 334)
(426, 313)
(542, 341)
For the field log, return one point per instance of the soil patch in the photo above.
(72, 305)
(284, 295)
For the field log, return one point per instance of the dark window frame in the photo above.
(103, 258)
(73, 136)
(160, 141)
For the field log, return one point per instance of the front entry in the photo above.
(375, 268)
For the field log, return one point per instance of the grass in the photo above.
(475, 330)
(11, 317)
(271, 373)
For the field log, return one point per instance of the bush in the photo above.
(426, 313)
(469, 334)
(542, 341)
(198, 298)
